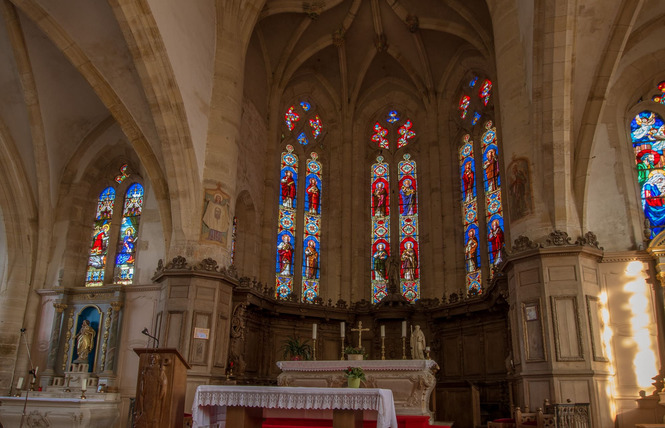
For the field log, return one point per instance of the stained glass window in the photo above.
(305, 105)
(123, 174)
(291, 117)
(485, 91)
(470, 215)
(647, 133)
(405, 134)
(302, 139)
(492, 187)
(315, 123)
(660, 96)
(234, 236)
(131, 215)
(476, 118)
(380, 229)
(100, 238)
(312, 233)
(287, 223)
(473, 82)
(393, 116)
(379, 136)
(408, 228)
(464, 106)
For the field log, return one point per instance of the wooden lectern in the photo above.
(160, 388)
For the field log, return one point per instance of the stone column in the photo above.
(112, 342)
(56, 333)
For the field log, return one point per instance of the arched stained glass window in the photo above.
(470, 214)
(129, 232)
(312, 233)
(392, 135)
(463, 106)
(408, 227)
(647, 133)
(307, 128)
(380, 229)
(492, 187)
(100, 238)
(287, 222)
(660, 96)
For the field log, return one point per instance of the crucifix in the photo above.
(360, 330)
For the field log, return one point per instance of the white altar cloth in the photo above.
(270, 397)
(378, 365)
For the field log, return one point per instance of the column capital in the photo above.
(59, 307)
(116, 306)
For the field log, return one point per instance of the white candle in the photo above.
(342, 331)
(383, 331)
(19, 384)
(427, 348)
(403, 328)
(84, 384)
(313, 331)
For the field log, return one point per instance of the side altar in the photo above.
(411, 381)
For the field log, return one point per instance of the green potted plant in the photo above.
(354, 353)
(353, 376)
(296, 349)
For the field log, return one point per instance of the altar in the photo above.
(411, 381)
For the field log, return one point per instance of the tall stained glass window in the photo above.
(392, 135)
(131, 216)
(288, 185)
(492, 188)
(305, 127)
(647, 133)
(100, 238)
(467, 162)
(380, 229)
(312, 233)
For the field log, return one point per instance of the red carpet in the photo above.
(402, 422)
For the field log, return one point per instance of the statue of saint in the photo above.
(85, 340)
(417, 344)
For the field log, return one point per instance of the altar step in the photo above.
(402, 422)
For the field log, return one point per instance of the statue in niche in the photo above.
(85, 340)
(417, 343)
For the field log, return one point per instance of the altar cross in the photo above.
(360, 330)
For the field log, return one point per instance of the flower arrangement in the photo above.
(296, 349)
(352, 350)
(354, 373)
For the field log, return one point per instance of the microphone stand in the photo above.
(155, 341)
(32, 372)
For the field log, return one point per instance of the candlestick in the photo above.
(314, 331)
(403, 328)
(83, 397)
(19, 384)
(427, 351)
(383, 331)
(383, 347)
(342, 357)
(404, 347)
(314, 347)
(32, 383)
(342, 330)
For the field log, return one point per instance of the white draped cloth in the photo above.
(209, 397)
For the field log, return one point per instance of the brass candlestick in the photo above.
(342, 357)
(69, 378)
(403, 347)
(314, 351)
(383, 348)
(427, 352)
(83, 397)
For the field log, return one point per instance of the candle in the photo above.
(427, 348)
(19, 384)
(341, 329)
(84, 384)
(383, 331)
(403, 328)
(314, 331)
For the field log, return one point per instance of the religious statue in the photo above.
(85, 341)
(417, 344)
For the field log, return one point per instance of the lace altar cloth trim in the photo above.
(323, 366)
(268, 397)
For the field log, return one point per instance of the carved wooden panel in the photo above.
(567, 335)
(473, 354)
(174, 321)
(529, 276)
(200, 338)
(534, 341)
(221, 340)
(495, 350)
(451, 356)
(595, 326)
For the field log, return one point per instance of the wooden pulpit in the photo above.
(160, 388)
